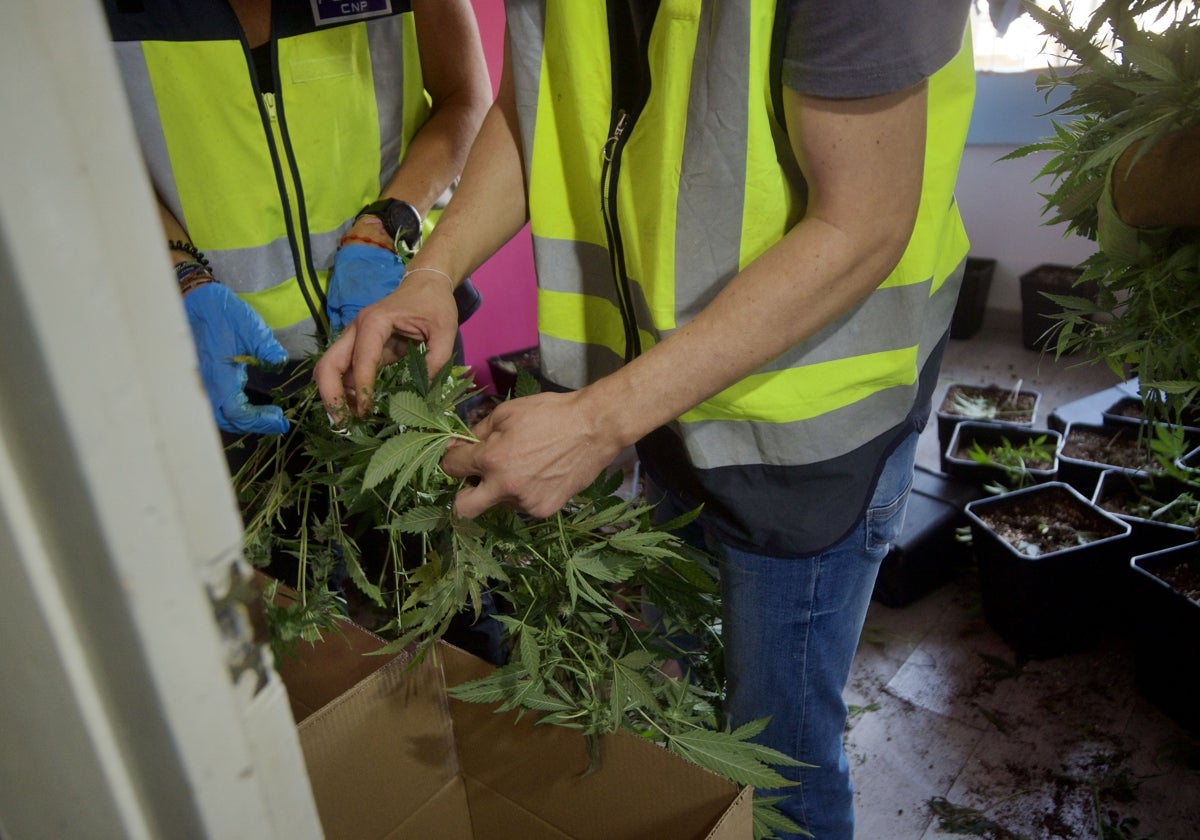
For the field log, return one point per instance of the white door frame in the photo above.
(121, 711)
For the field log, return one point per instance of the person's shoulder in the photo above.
(851, 48)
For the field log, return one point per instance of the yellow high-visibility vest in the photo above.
(267, 183)
(641, 213)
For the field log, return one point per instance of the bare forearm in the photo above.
(489, 206)
(456, 77)
(786, 296)
(862, 205)
(171, 226)
(435, 158)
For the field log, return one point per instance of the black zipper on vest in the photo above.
(270, 107)
(630, 90)
(306, 271)
(616, 249)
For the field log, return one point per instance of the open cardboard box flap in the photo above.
(391, 755)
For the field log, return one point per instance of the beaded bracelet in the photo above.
(187, 267)
(195, 281)
(189, 249)
(191, 274)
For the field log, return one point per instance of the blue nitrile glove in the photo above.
(362, 274)
(225, 328)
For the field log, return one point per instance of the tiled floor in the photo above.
(948, 728)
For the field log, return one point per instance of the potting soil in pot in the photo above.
(1035, 526)
(1184, 577)
(1103, 446)
(989, 403)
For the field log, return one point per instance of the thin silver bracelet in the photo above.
(449, 279)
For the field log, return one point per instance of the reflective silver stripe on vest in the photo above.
(258, 268)
(387, 70)
(590, 264)
(132, 63)
(881, 322)
(526, 24)
(244, 269)
(715, 443)
(709, 214)
(299, 339)
(598, 359)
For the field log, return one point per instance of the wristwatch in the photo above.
(400, 219)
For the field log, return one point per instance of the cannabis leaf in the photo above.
(733, 755)
(1145, 318)
(600, 605)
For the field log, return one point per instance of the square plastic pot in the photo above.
(1147, 534)
(1083, 473)
(505, 366)
(1127, 411)
(1167, 633)
(948, 417)
(1037, 310)
(972, 297)
(991, 435)
(1060, 600)
(1190, 462)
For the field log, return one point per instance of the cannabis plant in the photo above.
(364, 514)
(1134, 80)
(1016, 460)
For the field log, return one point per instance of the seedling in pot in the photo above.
(1017, 460)
(369, 514)
(983, 405)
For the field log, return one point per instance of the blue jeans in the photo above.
(790, 629)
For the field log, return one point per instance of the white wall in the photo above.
(1000, 200)
(1002, 211)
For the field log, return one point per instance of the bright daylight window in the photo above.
(1008, 41)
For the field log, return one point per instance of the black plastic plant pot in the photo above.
(1146, 502)
(1058, 598)
(927, 554)
(994, 440)
(1089, 449)
(1038, 311)
(504, 368)
(1129, 411)
(1190, 463)
(1013, 407)
(1166, 598)
(972, 297)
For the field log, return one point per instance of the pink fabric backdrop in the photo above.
(507, 320)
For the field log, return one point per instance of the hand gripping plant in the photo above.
(369, 506)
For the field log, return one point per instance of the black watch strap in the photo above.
(400, 219)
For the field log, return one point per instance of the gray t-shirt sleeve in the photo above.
(857, 48)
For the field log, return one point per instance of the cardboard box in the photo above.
(391, 755)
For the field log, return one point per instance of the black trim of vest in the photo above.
(307, 281)
(785, 511)
(211, 20)
(629, 60)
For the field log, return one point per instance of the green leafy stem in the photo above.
(371, 502)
